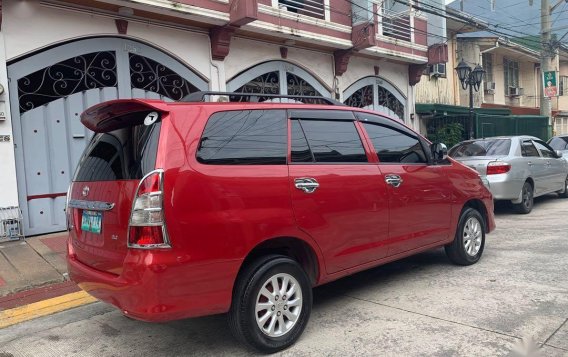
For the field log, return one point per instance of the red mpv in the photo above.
(179, 210)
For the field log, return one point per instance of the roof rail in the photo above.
(256, 97)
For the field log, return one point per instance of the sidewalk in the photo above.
(31, 263)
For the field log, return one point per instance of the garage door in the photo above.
(48, 92)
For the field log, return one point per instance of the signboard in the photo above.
(550, 84)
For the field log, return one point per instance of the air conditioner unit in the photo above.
(489, 87)
(515, 91)
(438, 69)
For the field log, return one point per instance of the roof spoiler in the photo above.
(115, 114)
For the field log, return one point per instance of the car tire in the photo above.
(254, 299)
(564, 193)
(527, 202)
(469, 241)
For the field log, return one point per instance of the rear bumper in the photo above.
(503, 187)
(155, 286)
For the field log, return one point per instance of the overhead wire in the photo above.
(497, 29)
(471, 19)
(410, 27)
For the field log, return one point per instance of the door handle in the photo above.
(306, 184)
(530, 163)
(394, 180)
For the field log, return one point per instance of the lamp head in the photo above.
(463, 71)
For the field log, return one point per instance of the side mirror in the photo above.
(439, 152)
(558, 153)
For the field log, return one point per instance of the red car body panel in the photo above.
(349, 231)
(216, 215)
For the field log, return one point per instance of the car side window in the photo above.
(544, 149)
(326, 141)
(300, 149)
(245, 137)
(528, 149)
(394, 146)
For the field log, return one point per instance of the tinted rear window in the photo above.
(326, 141)
(559, 143)
(124, 154)
(245, 137)
(492, 147)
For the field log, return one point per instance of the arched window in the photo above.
(376, 94)
(277, 77)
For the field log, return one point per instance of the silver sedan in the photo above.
(518, 168)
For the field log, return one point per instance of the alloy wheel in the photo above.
(278, 305)
(472, 236)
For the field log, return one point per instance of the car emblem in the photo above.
(85, 191)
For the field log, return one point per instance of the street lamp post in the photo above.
(472, 79)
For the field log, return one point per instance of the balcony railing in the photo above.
(396, 25)
(313, 8)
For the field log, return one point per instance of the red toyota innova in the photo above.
(186, 209)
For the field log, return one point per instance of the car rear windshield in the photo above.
(559, 143)
(124, 154)
(487, 147)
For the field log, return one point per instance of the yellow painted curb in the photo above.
(44, 307)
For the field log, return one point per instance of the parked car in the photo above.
(180, 210)
(560, 143)
(518, 168)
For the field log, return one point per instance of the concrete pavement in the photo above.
(33, 262)
(420, 306)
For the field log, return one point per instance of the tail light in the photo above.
(498, 167)
(68, 218)
(147, 227)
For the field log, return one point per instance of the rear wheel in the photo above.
(564, 193)
(468, 244)
(527, 202)
(272, 303)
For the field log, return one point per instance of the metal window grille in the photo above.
(313, 8)
(563, 85)
(511, 71)
(10, 224)
(396, 25)
(487, 63)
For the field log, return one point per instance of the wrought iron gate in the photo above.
(48, 92)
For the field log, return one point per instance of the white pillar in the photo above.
(8, 183)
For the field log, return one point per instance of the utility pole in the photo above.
(547, 53)
(545, 102)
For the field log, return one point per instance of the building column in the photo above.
(8, 182)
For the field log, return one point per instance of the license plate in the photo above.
(91, 221)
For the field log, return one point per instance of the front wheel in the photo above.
(527, 202)
(469, 241)
(272, 302)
